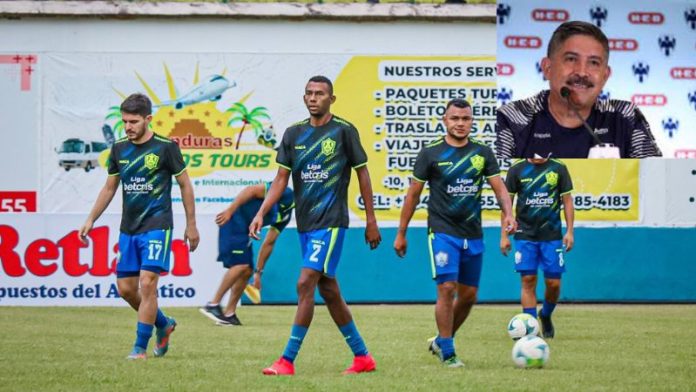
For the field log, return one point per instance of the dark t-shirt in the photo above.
(456, 176)
(539, 189)
(277, 217)
(146, 173)
(320, 160)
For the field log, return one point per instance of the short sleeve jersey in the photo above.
(277, 217)
(146, 173)
(456, 176)
(320, 159)
(539, 189)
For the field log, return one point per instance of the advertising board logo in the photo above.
(503, 12)
(683, 73)
(522, 42)
(667, 44)
(685, 153)
(623, 44)
(599, 15)
(505, 69)
(649, 99)
(649, 18)
(604, 95)
(504, 95)
(692, 99)
(550, 15)
(690, 17)
(540, 71)
(641, 70)
(670, 126)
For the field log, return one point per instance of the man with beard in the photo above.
(455, 167)
(551, 122)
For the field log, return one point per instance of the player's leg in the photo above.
(242, 273)
(527, 256)
(553, 265)
(468, 279)
(234, 248)
(445, 254)
(127, 281)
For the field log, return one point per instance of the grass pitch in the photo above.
(598, 347)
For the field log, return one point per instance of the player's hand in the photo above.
(568, 242)
(84, 230)
(223, 217)
(372, 235)
(505, 246)
(510, 224)
(191, 237)
(400, 245)
(255, 227)
(257, 281)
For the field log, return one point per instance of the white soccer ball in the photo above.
(521, 325)
(530, 352)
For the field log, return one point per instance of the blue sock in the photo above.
(353, 338)
(530, 311)
(161, 320)
(143, 335)
(297, 334)
(446, 346)
(547, 308)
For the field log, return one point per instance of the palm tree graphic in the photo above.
(115, 113)
(252, 118)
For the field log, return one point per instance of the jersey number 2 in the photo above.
(315, 253)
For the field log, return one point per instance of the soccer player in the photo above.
(145, 162)
(455, 167)
(545, 124)
(234, 246)
(319, 152)
(542, 185)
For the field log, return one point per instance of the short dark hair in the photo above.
(576, 27)
(322, 79)
(458, 103)
(137, 104)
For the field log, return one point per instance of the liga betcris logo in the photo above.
(522, 42)
(623, 44)
(649, 99)
(550, 15)
(649, 18)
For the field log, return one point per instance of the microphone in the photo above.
(599, 149)
(565, 93)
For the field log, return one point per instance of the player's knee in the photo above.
(529, 282)
(329, 293)
(468, 296)
(553, 284)
(246, 272)
(305, 286)
(148, 285)
(447, 289)
(127, 293)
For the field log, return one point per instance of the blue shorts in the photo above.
(529, 255)
(235, 249)
(456, 259)
(149, 251)
(321, 249)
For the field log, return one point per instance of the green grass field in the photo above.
(597, 347)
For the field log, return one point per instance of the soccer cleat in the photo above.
(228, 321)
(137, 353)
(434, 348)
(453, 362)
(162, 344)
(213, 312)
(362, 364)
(547, 330)
(281, 367)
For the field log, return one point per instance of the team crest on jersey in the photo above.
(328, 146)
(441, 259)
(477, 161)
(552, 178)
(151, 161)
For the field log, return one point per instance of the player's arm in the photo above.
(280, 182)
(505, 245)
(409, 207)
(507, 221)
(103, 199)
(191, 233)
(372, 235)
(569, 212)
(249, 193)
(264, 254)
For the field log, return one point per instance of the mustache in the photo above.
(582, 80)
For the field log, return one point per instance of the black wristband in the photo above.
(258, 271)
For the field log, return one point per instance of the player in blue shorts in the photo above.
(455, 167)
(542, 186)
(235, 251)
(319, 153)
(145, 162)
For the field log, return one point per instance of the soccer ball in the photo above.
(521, 325)
(530, 352)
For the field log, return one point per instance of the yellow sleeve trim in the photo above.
(565, 193)
(360, 165)
(419, 180)
(179, 173)
(283, 166)
(494, 175)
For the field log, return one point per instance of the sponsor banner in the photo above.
(44, 263)
(652, 52)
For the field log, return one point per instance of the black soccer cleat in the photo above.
(227, 321)
(213, 312)
(547, 330)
